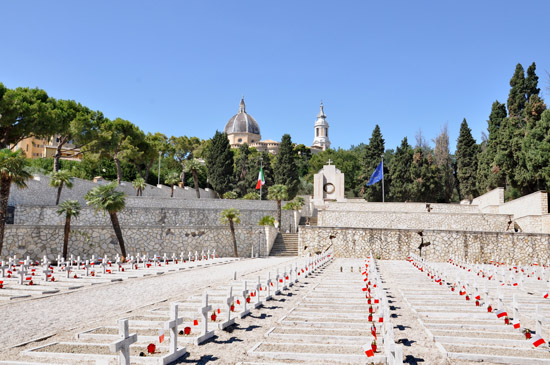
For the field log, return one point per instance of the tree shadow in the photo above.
(409, 359)
(231, 340)
(203, 360)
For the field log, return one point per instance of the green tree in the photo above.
(231, 216)
(267, 220)
(278, 193)
(537, 147)
(139, 184)
(400, 172)
(73, 123)
(194, 166)
(71, 208)
(531, 82)
(118, 140)
(219, 163)
(172, 179)
(425, 176)
(183, 149)
(516, 97)
(264, 159)
(251, 196)
(58, 180)
(285, 166)
(346, 161)
(303, 156)
(12, 170)
(466, 160)
(106, 198)
(371, 159)
(444, 162)
(230, 195)
(25, 112)
(489, 175)
(242, 170)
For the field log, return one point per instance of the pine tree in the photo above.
(531, 82)
(219, 163)
(537, 150)
(242, 170)
(443, 160)
(489, 176)
(286, 172)
(371, 159)
(425, 184)
(400, 172)
(516, 97)
(466, 160)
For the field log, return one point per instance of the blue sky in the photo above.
(180, 67)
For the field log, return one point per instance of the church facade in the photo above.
(243, 128)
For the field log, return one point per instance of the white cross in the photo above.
(329, 161)
(268, 285)
(277, 277)
(244, 294)
(258, 300)
(228, 303)
(539, 318)
(203, 311)
(3, 267)
(123, 345)
(172, 326)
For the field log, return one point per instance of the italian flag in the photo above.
(261, 180)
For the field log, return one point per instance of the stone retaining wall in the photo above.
(363, 206)
(86, 241)
(418, 221)
(36, 215)
(395, 244)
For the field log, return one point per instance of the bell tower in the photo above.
(321, 140)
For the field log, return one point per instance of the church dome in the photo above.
(242, 122)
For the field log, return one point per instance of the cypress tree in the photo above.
(400, 172)
(444, 162)
(219, 163)
(489, 176)
(285, 169)
(242, 167)
(531, 82)
(426, 183)
(516, 97)
(537, 152)
(466, 160)
(372, 157)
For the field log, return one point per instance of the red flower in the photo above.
(213, 316)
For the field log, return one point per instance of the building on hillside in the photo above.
(243, 128)
(34, 147)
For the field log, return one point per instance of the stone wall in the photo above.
(363, 206)
(37, 241)
(532, 204)
(534, 223)
(395, 244)
(418, 221)
(494, 197)
(167, 202)
(37, 215)
(38, 192)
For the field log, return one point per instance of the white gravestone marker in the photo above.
(203, 311)
(123, 345)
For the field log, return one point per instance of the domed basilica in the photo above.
(243, 128)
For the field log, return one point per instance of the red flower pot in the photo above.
(151, 348)
(213, 317)
(489, 309)
(187, 330)
(371, 310)
(248, 300)
(370, 317)
(374, 347)
(527, 335)
(506, 320)
(232, 308)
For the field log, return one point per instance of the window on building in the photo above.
(240, 140)
(317, 132)
(326, 132)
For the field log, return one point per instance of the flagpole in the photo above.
(261, 167)
(382, 178)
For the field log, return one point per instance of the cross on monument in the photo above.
(329, 161)
(123, 345)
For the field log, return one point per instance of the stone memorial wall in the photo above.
(396, 244)
(419, 220)
(37, 241)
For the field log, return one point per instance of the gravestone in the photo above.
(328, 185)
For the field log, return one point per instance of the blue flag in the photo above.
(377, 175)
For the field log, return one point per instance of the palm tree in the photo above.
(278, 192)
(107, 199)
(172, 179)
(231, 216)
(60, 178)
(139, 184)
(295, 206)
(71, 208)
(12, 170)
(194, 166)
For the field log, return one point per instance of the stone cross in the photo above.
(87, 267)
(123, 345)
(539, 318)
(515, 307)
(277, 277)
(47, 273)
(22, 275)
(284, 280)
(172, 326)
(189, 256)
(258, 303)
(244, 294)
(329, 162)
(3, 267)
(68, 270)
(196, 256)
(229, 301)
(203, 311)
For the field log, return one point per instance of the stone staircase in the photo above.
(286, 244)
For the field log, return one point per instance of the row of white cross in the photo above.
(287, 279)
(481, 294)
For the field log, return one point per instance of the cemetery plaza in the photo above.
(344, 282)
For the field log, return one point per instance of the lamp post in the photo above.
(158, 181)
